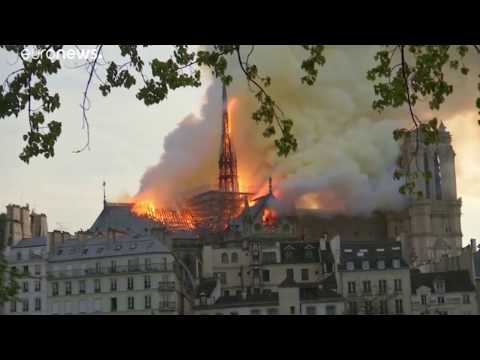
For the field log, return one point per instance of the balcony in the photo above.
(167, 306)
(166, 286)
(108, 270)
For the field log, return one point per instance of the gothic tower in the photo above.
(227, 163)
(430, 226)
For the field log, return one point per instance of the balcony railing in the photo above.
(167, 306)
(166, 285)
(108, 270)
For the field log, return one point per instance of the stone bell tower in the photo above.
(430, 226)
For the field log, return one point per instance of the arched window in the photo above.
(234, 258)
(224, 258)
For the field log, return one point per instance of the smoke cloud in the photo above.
(346, 154)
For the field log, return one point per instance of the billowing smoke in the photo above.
(346, 154)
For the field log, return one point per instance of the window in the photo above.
(292, 310)
(311, 310)
(352, 307)
(396, 263)
(132, 264)
(272, 311)
(148, 302)
(351, 287)
(81, 286)
(350, 265)
(113, 266)
(441, 300)
(113, 284)
(255, 312)
(98, 267)
(288, 255)
(131, 303)
(25, 269)
(38, 304)
(55, 289)
(424, 299)
(13, 306)
(305, 276)
(398, 284)
(381, 264)
(269, 257)
(399, 306)
(256, 291)
(113, 304)
(234, 258)
(98, 287)
(68, 288)
(130, 283)
(99, 250)
(382, 286)
(226, 292)
(25, 286)
(466, 298)
(331, 310)
(368, 307)
(365, 265)
(290, 274)
(85, 251)
(38, 269)
(367, 286)
(309, 255)
(147, 282)
(440, 286)
(19, 255)
(383, 307)
(25, 305)
(266, 275)
(224, 258)
(38, 285)
(148, 263)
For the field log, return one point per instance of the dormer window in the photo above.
(19, 255)
(440, 286)
(365, 265)
(396, 263)
(381, 264)
(350, 265)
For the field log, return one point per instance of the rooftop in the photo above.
(75, 249)
(238, 301)
(35, 241)
(455, 281)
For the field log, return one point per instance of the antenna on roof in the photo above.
(104, 194)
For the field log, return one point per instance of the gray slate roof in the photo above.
(74, 249)
(120, 217)
(371, 251)
(35, 241)
(455, 281)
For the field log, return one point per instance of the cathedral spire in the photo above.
(227, 163)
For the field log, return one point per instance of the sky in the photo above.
(127, 137)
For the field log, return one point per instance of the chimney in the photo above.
(473, 245)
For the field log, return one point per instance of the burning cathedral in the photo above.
(428, 228)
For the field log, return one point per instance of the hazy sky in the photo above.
(127, 138)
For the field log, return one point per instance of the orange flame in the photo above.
(175, 220)
(269, 216)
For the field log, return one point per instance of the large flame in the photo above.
(172, 219)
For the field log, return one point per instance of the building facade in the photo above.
(28, 257)
(373, 277)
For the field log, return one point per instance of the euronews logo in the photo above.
(61, 54)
